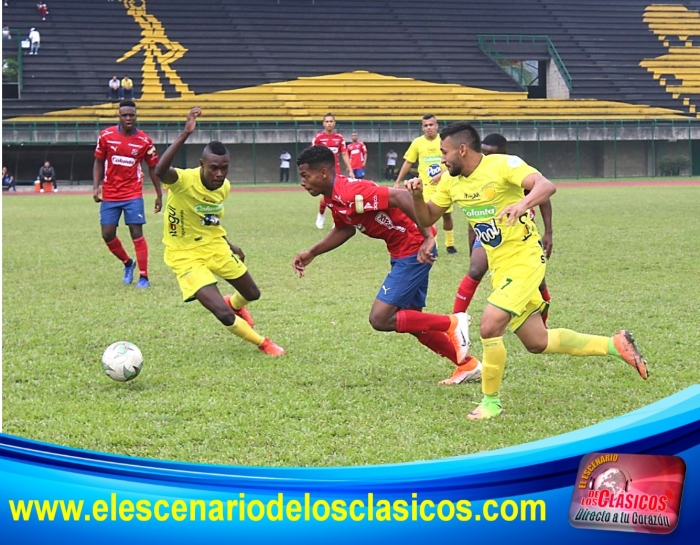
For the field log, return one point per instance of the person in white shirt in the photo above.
(390, 172)
(35, 41)
(285, 158)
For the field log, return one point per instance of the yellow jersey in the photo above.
(428, 155)
(192, 212)
(495, 184)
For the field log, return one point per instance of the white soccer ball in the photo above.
(122, 361)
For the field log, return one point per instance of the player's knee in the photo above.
(536, 346)
(379, 322)
(225, 315)
(253, 294)
(476, 273)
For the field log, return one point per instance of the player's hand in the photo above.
(159, 203)
(425, 252)
(300, 261)
(414, 186)
(191, 122)
(397, 185)
(236, 250)
(513, 213)
(97, 196)
(547, 244)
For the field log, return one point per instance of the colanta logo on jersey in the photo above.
(203, 209)
(484, 212)
(489, 233)
(122, 161)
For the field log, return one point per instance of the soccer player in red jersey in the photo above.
(386, 214)
(336, 143)
(358, 156)
(117, 168)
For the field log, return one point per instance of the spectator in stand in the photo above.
(35, 41)
(391, 157)
(114, 88)
(127, 88)
(6, 34)
(284, 166)
(47, 174)
(8, 180)
(43, 10)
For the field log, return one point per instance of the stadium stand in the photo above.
(296, 59)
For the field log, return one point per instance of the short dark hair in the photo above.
(127, 102)
(428, 116)
(329, 114)
(315, 156)
(464, 133)
(497, 141)
(216, 147)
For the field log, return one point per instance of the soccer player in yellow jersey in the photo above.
(426, 151)
(196, 247)
(490, 191)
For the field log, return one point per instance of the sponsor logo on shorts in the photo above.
(123, 161)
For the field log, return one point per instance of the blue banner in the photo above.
(54, 494)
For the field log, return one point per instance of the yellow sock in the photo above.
(241, 329)
(493, 362)
(449, 238)
(565, 341)
(238, 301)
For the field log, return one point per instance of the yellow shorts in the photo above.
(516, 290)
(195, 268)
(429, 190)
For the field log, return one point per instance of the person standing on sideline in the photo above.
(336, 143)
(489, 189)
(386, 214)
(34, 41)
(196, 247)
(285, 158)
(358, 156)
(426, 151)
(117, 170)
(391, 158)
(47, 174)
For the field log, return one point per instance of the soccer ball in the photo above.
(122, 361)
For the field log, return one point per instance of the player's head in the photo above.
(214, 165)
(316, 170)
(458, 142)
(127, 115)
(494, 143)
(430, 126)
(354, 136)
(329, 122)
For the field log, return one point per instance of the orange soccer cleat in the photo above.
(271, 349)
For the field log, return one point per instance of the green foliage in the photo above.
(344, 394)
(673, 165)
(10, 70)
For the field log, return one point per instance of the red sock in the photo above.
(322, 206)
(141, 255)
(465, 292)
(545, 295)
(547, 298)
(440, 343)
(412, 321)
(115, 246)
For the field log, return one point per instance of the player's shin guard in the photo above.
(115, 246)
(493, 362)
(566, 341)
(465, 293)
(241, 329)
(141, 249)
(238, 301)
(440, 343)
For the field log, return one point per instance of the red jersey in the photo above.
(358, 153)
(334, 142)
(123, 154)
(365, 205)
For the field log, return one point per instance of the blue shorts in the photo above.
(359, 173)
(406, 285)
(134, 213)
(477, 244)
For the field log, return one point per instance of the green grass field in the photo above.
(344, 394)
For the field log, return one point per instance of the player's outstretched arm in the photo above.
(337, 237)
(159, 191)
(540, 190)
(235, 249)
(346, 160)
(427, 213)
(547, 237)
(164, 171)
(402, 173)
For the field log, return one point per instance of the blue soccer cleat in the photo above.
(129, 272)
(143, 283)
